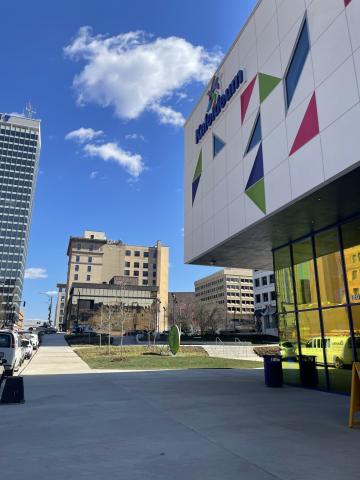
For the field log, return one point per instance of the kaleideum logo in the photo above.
(217, 101)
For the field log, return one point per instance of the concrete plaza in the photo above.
(195, 424)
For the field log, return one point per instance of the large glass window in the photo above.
(330, 273)
(283, 275)
(304, 272)
(338, 348)
(351, 241)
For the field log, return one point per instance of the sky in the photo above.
(112, 82)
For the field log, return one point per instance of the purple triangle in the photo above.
(257, 172)
(195, 185)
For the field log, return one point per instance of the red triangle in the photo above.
(347, 2)
(309, 127)
(245, 98)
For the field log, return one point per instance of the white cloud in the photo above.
(134, 136)
(133, 72)
(53, 293)
(93, 175)
(132, 162)
(168, 116)
(35, 273)
(182, 231)
(83, 135)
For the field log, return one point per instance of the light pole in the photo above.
(164, 308)
(173, 308)
(50, 305)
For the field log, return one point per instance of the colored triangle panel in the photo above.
(256, 135)
(245, 98)
(198, 169)
(267, 83)
(218, 145)
(256, 193)
(257, 171)
(309, 127)
(347, 2)
(195, 186)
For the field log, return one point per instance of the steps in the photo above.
(236, 352)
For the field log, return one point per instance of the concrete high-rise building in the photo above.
(60, 305)
(93, 259)
(231, 288)
(19, 159)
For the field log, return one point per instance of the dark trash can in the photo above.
(308, 372)
(273, 371)
(13, 391)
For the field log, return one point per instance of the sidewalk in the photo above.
(55, 357)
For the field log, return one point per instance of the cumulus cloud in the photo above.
(83, 135)
(93, 174)
(134, 136)
(35, 273)
(133, 72)
(132, 162)
(53, 293)
(168, 116)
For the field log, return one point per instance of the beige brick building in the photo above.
(94, 259)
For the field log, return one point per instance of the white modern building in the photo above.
(265, 302)
(272, 156)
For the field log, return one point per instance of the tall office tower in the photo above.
(19, 160)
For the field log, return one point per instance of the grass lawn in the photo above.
(155, 358)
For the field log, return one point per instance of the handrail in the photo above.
(237, 340)
(219, 341)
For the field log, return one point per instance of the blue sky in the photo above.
(131, 77)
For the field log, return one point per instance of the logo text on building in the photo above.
(217, 102)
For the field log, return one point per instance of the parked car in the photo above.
(34, 339)
(10, 351)
(28, 348)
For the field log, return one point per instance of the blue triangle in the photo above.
(257, 171)
(195, 185)
(255, 136)
(218, 145)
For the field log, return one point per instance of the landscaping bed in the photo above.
(154, 358)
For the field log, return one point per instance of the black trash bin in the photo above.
(273, 371)
(13, 391)
(308, 372)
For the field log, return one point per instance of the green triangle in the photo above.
(198, 169)
(256, 193)
(267, 83)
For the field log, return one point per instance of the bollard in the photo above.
(13, 391)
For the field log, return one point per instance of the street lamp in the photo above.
(173, 307)
(50, 305)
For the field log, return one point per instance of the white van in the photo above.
(10, 351)
(338, 349)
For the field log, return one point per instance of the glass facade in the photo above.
(19, 157)
(318, 283)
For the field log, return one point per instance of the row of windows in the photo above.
(137, 265)
(265, 297)
(12, 158)
(136, 273)
(239, 279)
(265, 280)
(137, 253)
(19, 134)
